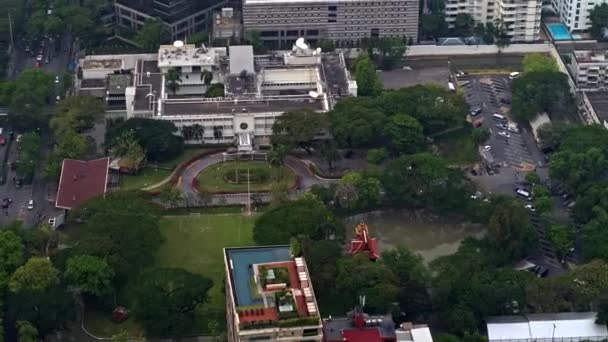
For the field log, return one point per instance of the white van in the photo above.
(499, 117)
(513, 75)
(524, 194)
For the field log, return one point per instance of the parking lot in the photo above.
(509, 152)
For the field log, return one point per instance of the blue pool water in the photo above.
(241, 259)
(559, 31)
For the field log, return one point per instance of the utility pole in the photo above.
(10, 28)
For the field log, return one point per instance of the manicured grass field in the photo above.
(213, 179)
(457, 146)
(146, 177)
(195, 242)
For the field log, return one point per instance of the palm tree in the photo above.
(198, 131)
(206, 77)
(173, 79)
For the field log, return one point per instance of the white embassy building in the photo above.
(257, 89)
(520, 17)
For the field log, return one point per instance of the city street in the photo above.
(39, 191)
(513, 150)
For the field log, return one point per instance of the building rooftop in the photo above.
(269, 285)
(228, 106)
(599, 102)
(81, 181)
(590, 56)
(241, 58)
(102, 64)
(577, 325)
(371, 328)
(186, 55)
(118, 83)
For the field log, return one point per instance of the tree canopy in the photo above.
(26, 98)
(152, 34)
(542, 91)
(539, 62)
(166, 299)
(298, 128)
(157, 137)
(122, 228)
(307, 216)
(91, 274)
(368, 82)
(37, 274)
(599, 20)
(509, 230)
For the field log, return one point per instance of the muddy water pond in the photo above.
(425, 233)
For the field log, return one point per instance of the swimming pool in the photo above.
(559, 31)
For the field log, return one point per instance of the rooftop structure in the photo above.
(186, 55)
(558, 327)
(227, 24)
(269, 295)
(81, 181)
(409, 332)
(359, 327)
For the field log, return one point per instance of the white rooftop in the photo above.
(241, 58)
(574, 326)
(300, 75)
(180, 54)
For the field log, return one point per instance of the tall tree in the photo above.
(509, 230)
(405, 134)
(356, 123)
(463, 25)
(78, 112)
(368, 82)
(329, 152)
(173, 79)
(90, 274)
(539, 62)
(166, 299)
(306, 216)
(298, 128)
(542, 91)
(152, 34)
(26, 332)
(37, 274)
(599, 20)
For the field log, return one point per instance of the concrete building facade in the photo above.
(282, 22)
(590, 70)
(181, 17)
(575, 13)
(521, 18)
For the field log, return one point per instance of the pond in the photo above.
(425, 233)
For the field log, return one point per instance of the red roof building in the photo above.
(359, 327)
(80, 181)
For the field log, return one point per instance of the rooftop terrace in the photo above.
(270, 287)
(590, 56)
(228, 106)
(186, 55)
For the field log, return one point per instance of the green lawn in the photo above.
(457, 146)
(212, 179)
(144, 178)
(195, 243)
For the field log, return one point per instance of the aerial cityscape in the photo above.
(303, 170)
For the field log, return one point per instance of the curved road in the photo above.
(307, 179)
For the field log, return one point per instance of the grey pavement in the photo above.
(512, 153)
(192, 198)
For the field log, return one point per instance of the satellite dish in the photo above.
(313, 94)
(301, 44)
(178, 43)
(319, 50)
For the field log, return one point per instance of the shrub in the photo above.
(376, 155)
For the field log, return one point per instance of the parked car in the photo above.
(475, 111)
(502, 126)
(487, 148)
(2, 140)
(513, 129)
(530, 207)
(30, 205)
(504, 134)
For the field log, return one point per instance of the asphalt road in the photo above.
(41, 192)
(512, 153)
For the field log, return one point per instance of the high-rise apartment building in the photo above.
(269, 296)
(282, 22)
(520, 17)
(181, 17)
(575, 13)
